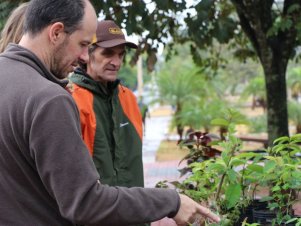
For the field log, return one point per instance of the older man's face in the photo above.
(105, 63)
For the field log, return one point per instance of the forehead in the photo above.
(87, 27)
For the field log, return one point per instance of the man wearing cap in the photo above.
(111, 122)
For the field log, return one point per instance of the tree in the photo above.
(294, 82)
(274, 31)
(256, 89)
(6, 7)
(177, 86)
(294, 110)
(128, 73)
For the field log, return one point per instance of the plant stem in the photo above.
(224, 174)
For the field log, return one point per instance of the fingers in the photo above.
(208, 214)
(190, 211)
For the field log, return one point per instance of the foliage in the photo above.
(258, 124)
(128, 74)
(294, 112)
(199, 115)
(227, 183)
(229, 117)
(237, 75)
(294, 82)
(6, 7)
(256, 89)
(179, 85)
(216, 181)
(295, 220)
(281, 172)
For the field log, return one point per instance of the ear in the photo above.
(57, 33)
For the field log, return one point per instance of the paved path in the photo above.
(156, 130)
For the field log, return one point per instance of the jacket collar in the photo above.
(19, 53)
(81, 78)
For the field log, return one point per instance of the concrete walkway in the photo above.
(156, 130)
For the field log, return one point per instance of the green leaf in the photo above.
(281, 140)
(224, 30)
(220, 122)
(296, 137)
(237, 162)
(276, 188)
(279, 147)
(286, 24)
(247, 155)
(291, 220)
(217, 167)
(269, 166)
(266, 198)
(204, 5)
(293, 8)
(233, 194)
(232, 175)
(256, 168)
(273, 205)
(225, 157)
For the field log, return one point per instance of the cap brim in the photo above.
(116, 42)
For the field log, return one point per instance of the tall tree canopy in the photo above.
(269, 30)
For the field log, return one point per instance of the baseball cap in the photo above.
(108, 35)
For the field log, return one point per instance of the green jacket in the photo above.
(111, 128)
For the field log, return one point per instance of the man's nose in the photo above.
(116, 60)
(84, 57)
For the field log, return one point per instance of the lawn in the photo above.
(169, 150)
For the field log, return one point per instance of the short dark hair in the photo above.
(41, 13)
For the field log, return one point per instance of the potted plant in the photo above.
(280, 172)
(219, 181)
(228, 182)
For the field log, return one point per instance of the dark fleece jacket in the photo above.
(46, 174)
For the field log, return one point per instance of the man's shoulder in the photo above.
(77, 89)
(125, 91)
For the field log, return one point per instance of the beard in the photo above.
(57, 68)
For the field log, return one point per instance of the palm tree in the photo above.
(294, 82)
(176, 87)
(294, 113)
(199, 116)
(256, 89)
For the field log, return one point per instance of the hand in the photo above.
(189, 211)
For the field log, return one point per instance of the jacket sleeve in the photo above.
(68, 173)
(84, 102)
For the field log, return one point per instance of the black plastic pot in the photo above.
(263, 216)
(243, 216)
(248, 212)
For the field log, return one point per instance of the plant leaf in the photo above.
(220, 122)
(233, 194)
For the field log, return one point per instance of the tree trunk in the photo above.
(298, 128)
(256, 19)
(179, 126)
(277, 114)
